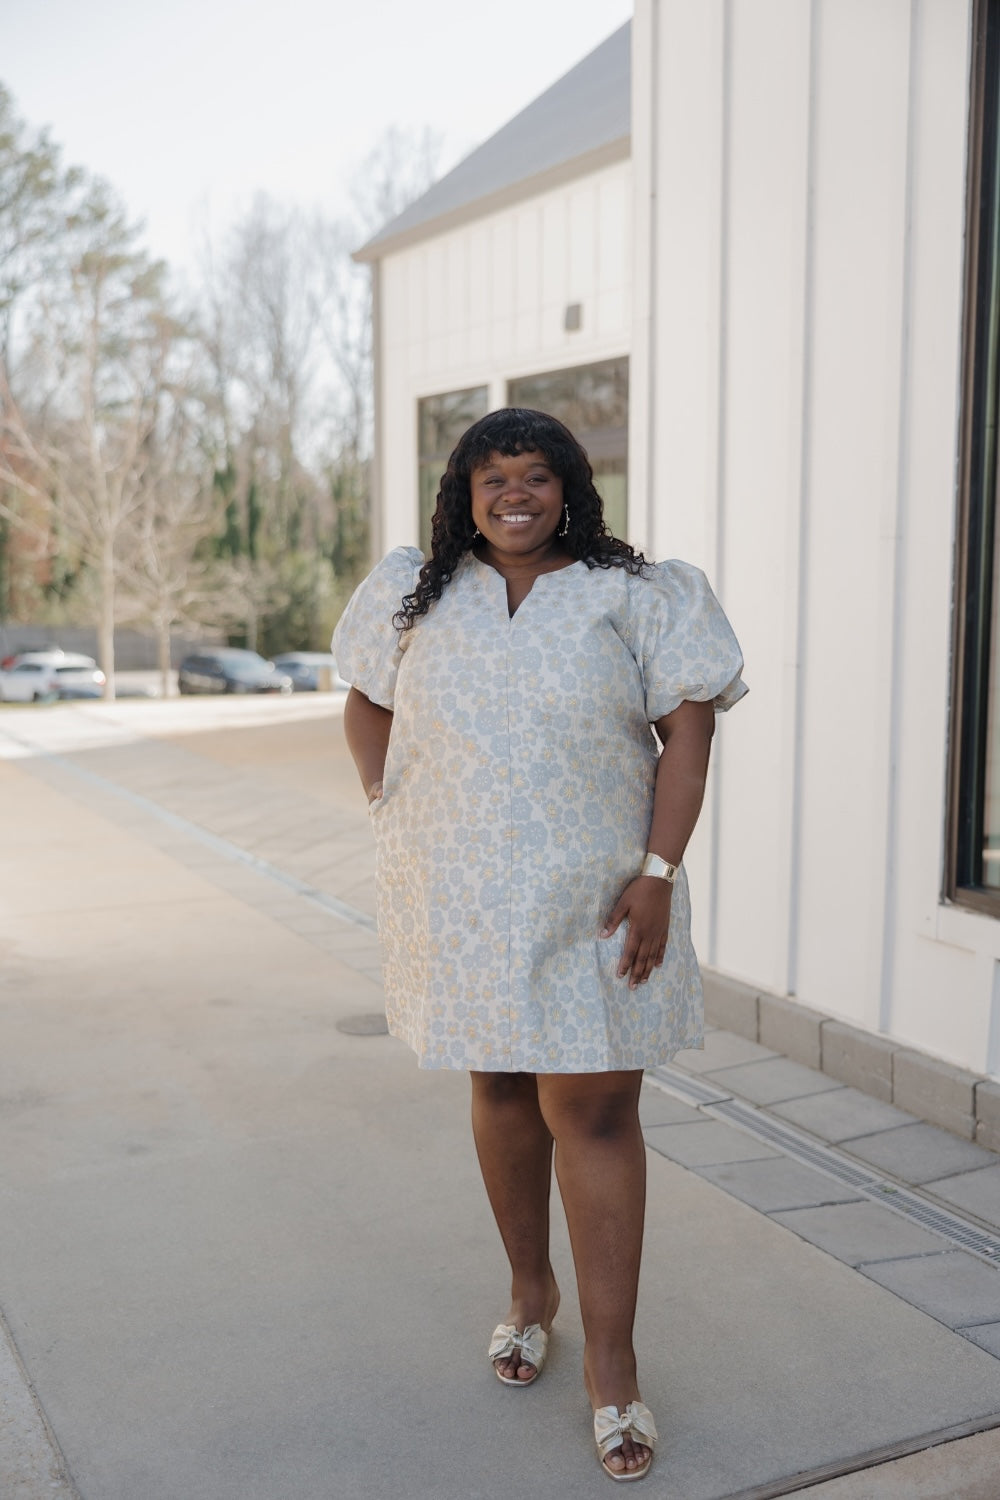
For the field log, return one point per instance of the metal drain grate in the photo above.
(801, 1147)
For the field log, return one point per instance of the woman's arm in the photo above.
(367, 726)
(686, 735)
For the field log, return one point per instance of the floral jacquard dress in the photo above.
(518, 794)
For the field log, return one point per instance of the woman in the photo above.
(532, 905)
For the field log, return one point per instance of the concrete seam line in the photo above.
(874, 1458)
(35, 1440)
(332, 904)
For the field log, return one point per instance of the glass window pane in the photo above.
(976, 809)
(441, 420)
(592, 400)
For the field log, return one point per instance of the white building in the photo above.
(812, 190)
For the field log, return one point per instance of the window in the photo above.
(593, 402)
(441, 420)
(974, 832)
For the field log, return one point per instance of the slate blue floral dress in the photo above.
(517, 800)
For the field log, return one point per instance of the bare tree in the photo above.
(99, 356)
(158, 488)
(165, 577)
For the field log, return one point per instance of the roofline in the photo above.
(527, 187)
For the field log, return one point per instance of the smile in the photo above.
(515, 518)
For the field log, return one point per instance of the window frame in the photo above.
(975, 557)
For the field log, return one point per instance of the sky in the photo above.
(190, 107)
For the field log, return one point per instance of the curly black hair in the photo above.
(513, 430)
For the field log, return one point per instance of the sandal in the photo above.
(610, 1427)
(532, 1343)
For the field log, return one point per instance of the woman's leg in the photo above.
(515, 1157)
(601, 1168)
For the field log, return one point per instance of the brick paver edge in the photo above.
(958, 1100)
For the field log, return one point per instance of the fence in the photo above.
(135, 651)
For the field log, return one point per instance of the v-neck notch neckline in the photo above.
(549, 573)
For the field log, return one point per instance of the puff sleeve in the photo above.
(367, 646)
(684, 645)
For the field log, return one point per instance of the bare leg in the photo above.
(601, 1168)
(515, 1157)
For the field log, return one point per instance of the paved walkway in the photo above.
(245, 1252)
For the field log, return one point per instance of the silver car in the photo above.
(44, 676)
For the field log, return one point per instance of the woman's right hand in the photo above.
(374, 792)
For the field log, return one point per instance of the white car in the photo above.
(43, 676)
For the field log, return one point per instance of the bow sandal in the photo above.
(610, 1429)
(532, 1345)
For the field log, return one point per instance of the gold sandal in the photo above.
(532, 1344)
(610, 1429)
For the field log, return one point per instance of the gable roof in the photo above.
(579, 124)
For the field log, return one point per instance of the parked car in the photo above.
(304, 668)
(43, 676)
(79, 677)
(228, 669)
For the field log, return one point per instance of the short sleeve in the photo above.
(682, 641)
(366, 644)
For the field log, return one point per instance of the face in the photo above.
(517, 503)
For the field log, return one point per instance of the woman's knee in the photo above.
(596, 1107)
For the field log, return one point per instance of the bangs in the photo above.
(512, 431)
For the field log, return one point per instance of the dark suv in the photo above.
(230, 670)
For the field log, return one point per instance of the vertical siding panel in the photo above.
(582, 244)
(760, 432)
(611, 305)
(528, 333)
(436, 312)
(858, 188)
(504, 297)
(929, 964)
(687, 331)
(457, 293)
(479, 295)
(555, 266)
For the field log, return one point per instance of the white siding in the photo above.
(800, 185)
(485, 303)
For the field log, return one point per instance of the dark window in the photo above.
(974, 832)
(441, 420)
(593, 402)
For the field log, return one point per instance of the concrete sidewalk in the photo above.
(246, 1254)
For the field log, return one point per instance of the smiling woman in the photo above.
(532, 904)
(517, 506)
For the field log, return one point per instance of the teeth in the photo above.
(514, 520)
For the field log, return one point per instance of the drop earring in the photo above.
(476, 534)
(564, 528)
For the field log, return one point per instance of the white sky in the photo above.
(189, 107)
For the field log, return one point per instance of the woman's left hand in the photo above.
(645, 905)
